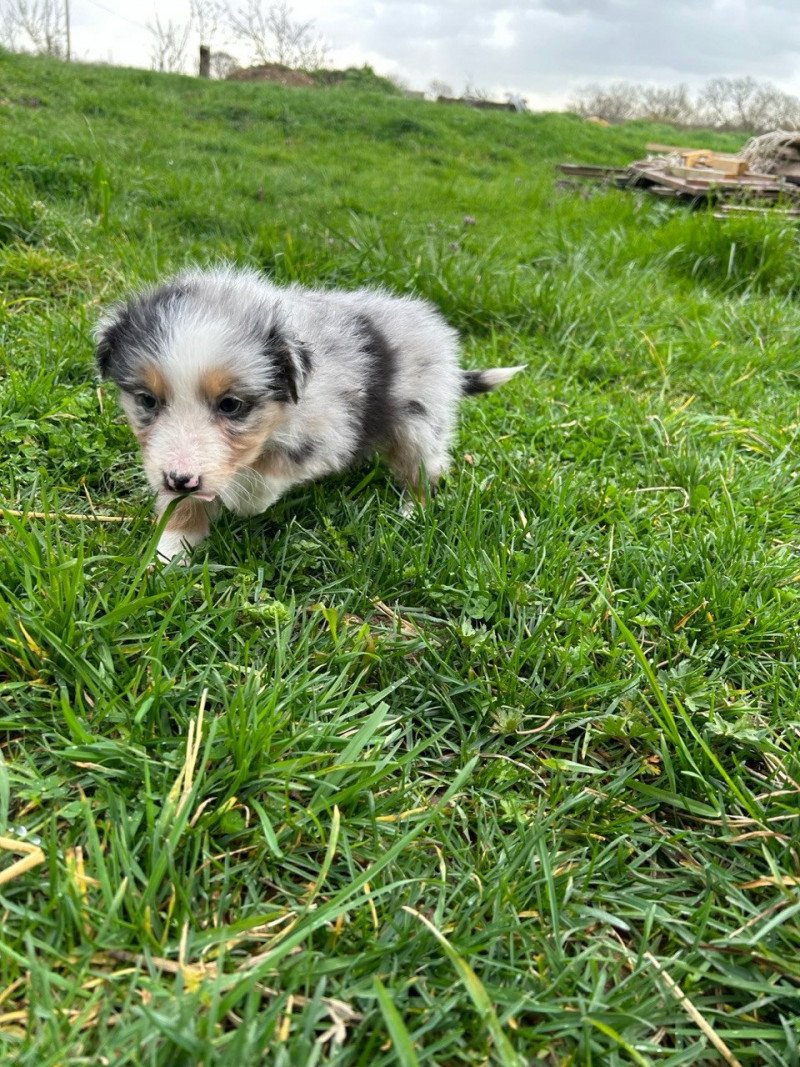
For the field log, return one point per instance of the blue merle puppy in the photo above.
(238, 389)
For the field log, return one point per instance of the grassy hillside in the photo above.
(515, 781)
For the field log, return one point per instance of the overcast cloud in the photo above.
(544, 49)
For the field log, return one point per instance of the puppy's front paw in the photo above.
(172, 546)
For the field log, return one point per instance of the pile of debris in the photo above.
(777, 152)
(767, 170)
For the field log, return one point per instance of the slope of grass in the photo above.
(516, 781)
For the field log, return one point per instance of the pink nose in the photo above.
(182, 483)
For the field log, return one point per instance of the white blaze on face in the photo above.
(196, 344)
(187, 437)
(204, 357)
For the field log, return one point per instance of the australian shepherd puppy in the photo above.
(238, 390)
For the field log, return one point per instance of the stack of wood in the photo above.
(697, 175)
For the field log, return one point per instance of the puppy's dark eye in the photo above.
(146, 401)
(231, 405)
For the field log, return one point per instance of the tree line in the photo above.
(722, 103)
(268, 32)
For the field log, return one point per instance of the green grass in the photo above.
(487, 786)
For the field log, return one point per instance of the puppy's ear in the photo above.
(135, 325)
(290, 363)
(107, 336)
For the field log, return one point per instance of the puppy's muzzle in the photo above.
(182, 483)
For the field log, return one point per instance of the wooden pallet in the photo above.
(695, 185)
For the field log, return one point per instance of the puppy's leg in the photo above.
(418, 463)
(253, 491)
(188, 525)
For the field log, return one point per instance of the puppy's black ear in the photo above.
(134, 326)
(290, 364)
(107, 336)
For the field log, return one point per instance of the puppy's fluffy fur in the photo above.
(237, 389)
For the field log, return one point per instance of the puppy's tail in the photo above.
(483, 381)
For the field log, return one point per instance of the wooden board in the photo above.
(670, 149)
(698, 188)
(702, 173)
(697, 179)
(750, 209)
(587, 170)
(730, 165)
(722, 161)
(693, 185)
(726, 162)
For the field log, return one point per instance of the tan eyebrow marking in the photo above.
(154, 380)
(216, 383)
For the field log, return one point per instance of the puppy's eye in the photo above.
(231, 405)
(146, 401)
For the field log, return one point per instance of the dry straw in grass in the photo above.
(694, 1014)
(32, 856)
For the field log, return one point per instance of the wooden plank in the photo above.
(660, 177)
(733, 165)
(697, 187)
(581, 170)
(752, 209)
(724, 161)
(761, 183)
(669, 149)
(704, 173)
(767, 212)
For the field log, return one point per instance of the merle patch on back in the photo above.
(377, 415)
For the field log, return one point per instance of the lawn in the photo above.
(514, 781)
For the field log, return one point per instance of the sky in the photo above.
(544, 50)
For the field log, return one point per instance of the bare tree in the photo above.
(670, 104)
(712, 102)
(474, 92)
(37, 25)
(275, 37)
(439, 88)
(784, 112)
(745, 104)
(618, 102)
(207, 17)
(223, 64)
(168, 51)
(8, 29)
(209, 25)
(730, 103)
